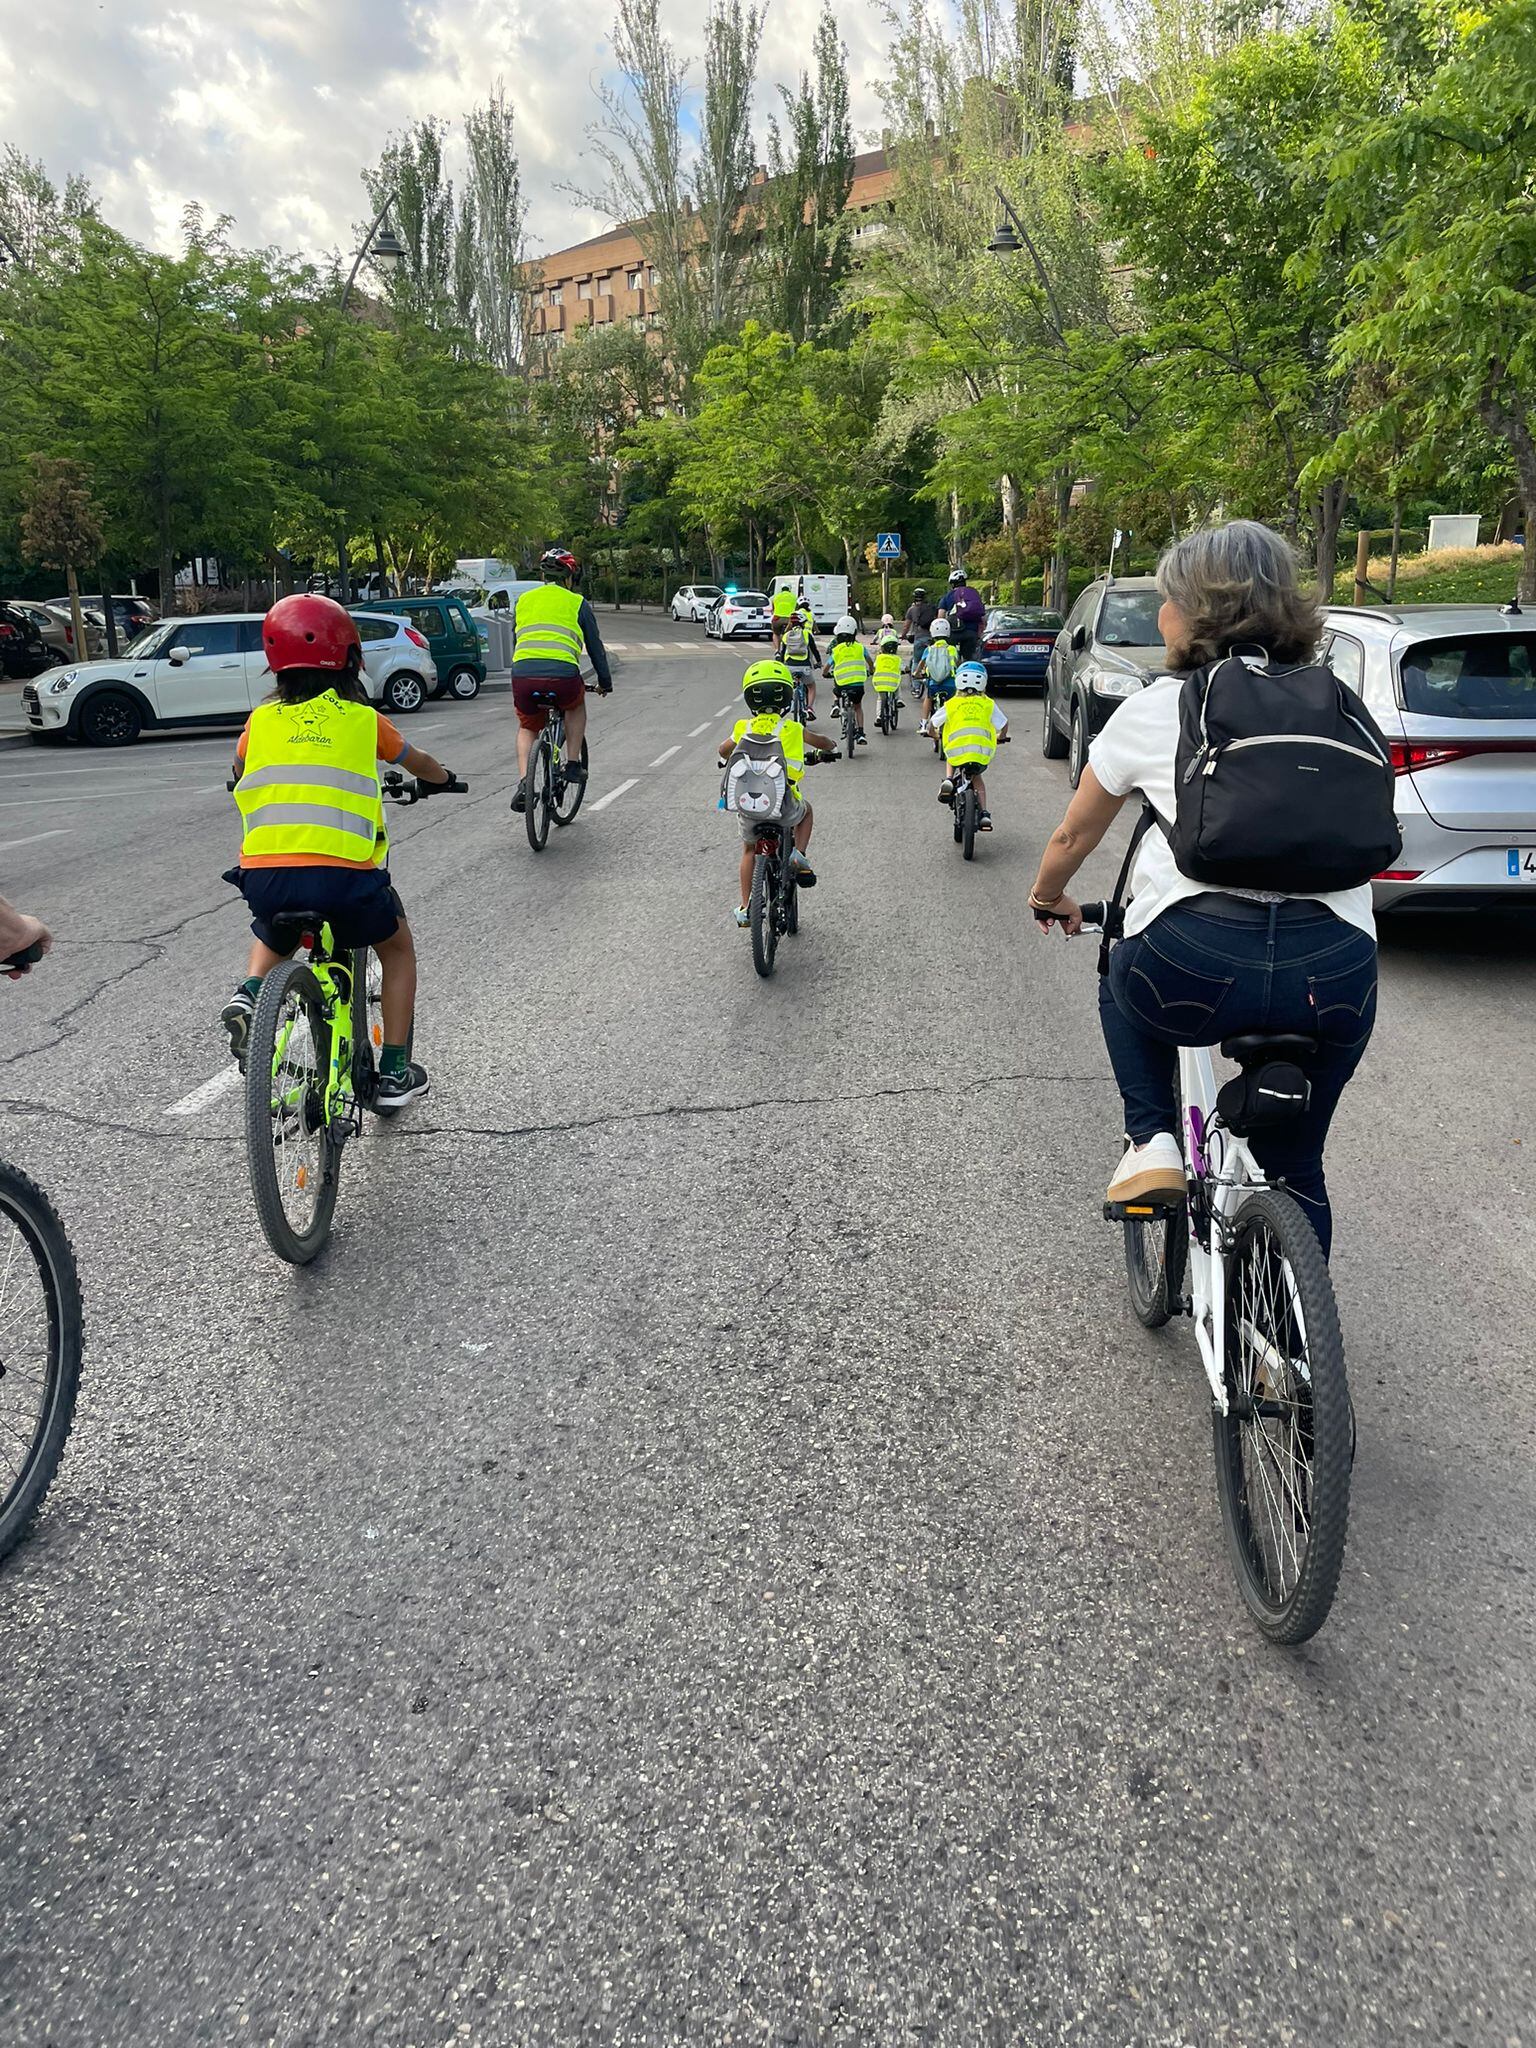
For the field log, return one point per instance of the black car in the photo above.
(1108, 650)
(23, 650)
(1016, 644)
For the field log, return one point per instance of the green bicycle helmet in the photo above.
(768, 686)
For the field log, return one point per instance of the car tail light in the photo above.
(1399, 874)
(416, 639)
(1410, 754)
(997, 646)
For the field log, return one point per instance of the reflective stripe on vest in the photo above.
(544, 625)
(849, 663)
(310, 782)
(789, 733)
(967, 730)
(887, 671)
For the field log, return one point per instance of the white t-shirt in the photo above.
(1136, 751)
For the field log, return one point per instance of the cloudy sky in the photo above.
(266, 109)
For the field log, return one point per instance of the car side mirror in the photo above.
(1079, 639)
(178, 657)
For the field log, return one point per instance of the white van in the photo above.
(828, 595)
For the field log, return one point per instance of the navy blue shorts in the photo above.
(359, 905)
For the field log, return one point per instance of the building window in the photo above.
(652, 275)
(634, 280)
(556, 295)
(584, 289)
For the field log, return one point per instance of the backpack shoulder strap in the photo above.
(1114, 909)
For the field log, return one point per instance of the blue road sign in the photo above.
(887, 546)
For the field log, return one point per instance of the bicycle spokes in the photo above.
(1272, 1385)
(299, 1077)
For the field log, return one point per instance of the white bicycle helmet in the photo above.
(957, 575)
(939, 630)
(886, 622)
(970, 675)
(847, 627)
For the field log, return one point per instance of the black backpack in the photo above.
(1283, 781)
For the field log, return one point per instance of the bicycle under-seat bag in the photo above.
(1282, 781)
(1262, 1096)
(756, 782)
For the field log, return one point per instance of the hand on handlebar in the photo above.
(1063, 911)
(26, 957)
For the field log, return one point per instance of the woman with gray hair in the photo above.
(1197, 965)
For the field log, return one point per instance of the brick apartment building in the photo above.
(606, 280)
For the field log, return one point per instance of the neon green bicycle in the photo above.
(311, 1069)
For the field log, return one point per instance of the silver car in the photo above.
(1453, 688)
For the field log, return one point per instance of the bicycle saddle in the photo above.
(1268, 1045)
(293, 924)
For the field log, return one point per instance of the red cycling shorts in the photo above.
(567, 691)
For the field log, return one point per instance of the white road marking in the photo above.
(59, 832)
(724, 708)
(701, 728)
(655, 764)
(613, 795)
(221, 1083)
(658, 644)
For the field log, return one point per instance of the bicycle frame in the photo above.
(337, 990)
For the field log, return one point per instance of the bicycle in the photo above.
(845, 708)
(773, 904)
(311, 1068)
(799, 703)
(966, 807)
(1266, 1323)
(890, 709)
(551, 793)
(41, 1325)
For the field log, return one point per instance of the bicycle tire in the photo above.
(1156, 1255)
(1270, 1227)
(566, 799)
(761, 915)
(36, 1221)
(302, 1105)
(537, 805)
(968, 812)
(792, 909)
(367, 1024)
(850, 727)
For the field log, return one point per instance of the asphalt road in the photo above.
(641, 1586)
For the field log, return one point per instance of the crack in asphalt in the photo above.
(780, 1102)
(172, 1134)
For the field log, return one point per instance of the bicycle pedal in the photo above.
(1145, 1209)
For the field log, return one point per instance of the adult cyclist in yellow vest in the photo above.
(550, 626)
(768, 690)
(970, 728)
(848, 666)
(313, 816)
(785, 605)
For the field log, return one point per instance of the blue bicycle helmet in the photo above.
(970, 675)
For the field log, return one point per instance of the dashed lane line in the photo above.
(59, 832)
(613, 795)
(222, 1083)
(702, 728)
(667, 755)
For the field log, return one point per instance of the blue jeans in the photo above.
(1210, 968)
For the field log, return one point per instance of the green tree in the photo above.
(61, 525)
(805, 248)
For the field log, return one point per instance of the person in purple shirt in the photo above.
(967, 613)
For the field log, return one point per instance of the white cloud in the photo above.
(269, 113)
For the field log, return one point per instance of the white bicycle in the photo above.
(1266, 1324)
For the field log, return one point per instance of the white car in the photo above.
(738, 611)
(694, 600)
(186, 674)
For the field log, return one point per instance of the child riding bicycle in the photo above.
(799, 654)
(887, 670)
(848, 665)
(937, 670)
(971, 728)
(768, 690)
(312, 809)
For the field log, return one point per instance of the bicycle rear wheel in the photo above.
(1283, 1450)
(40, 1335)
(1156, 1255)
(762, 912)
(367, 1023)
(850, 727)
(968, 812)
(566, 796)
(294, 1161)
(537, 805)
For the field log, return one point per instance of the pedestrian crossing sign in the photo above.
(887, 547)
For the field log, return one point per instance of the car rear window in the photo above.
(1129, 619)
(1025, 621)
(427, 618)
(749, 598)
(1476, 675)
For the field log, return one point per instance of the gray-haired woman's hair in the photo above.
(1236, 586)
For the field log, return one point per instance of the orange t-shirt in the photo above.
(392, 748)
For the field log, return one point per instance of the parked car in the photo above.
(197, 673)
(449, 631)
(1016, 644)
(56, 629)
(736, 612)
(1107, 651)
(61, 628)
(130, 614)
(1453, 688)
(23, 650)
(694, 600)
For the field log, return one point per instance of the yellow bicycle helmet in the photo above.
(768, 686)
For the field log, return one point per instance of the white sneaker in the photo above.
(922, 730)
(1150, 1172)
(743, 916)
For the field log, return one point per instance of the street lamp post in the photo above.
(383, 248)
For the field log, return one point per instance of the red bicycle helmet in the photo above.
(309, 632)
(560, 559)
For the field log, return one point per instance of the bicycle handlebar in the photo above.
(24, 961)
(398, 790)
(1093, 915)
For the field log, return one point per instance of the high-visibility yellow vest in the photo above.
(888, 671)
(784, 604)
(967, 730)
(850, 664)
(310, 781)
(789, 733)
(544, 625)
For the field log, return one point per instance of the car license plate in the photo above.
(1521, 862)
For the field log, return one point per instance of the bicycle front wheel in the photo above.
(566, 796)
(968, 811)
(762, 915)
(40, 1326)
(294, 1160)
(1283, 1449)
(538, 802)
